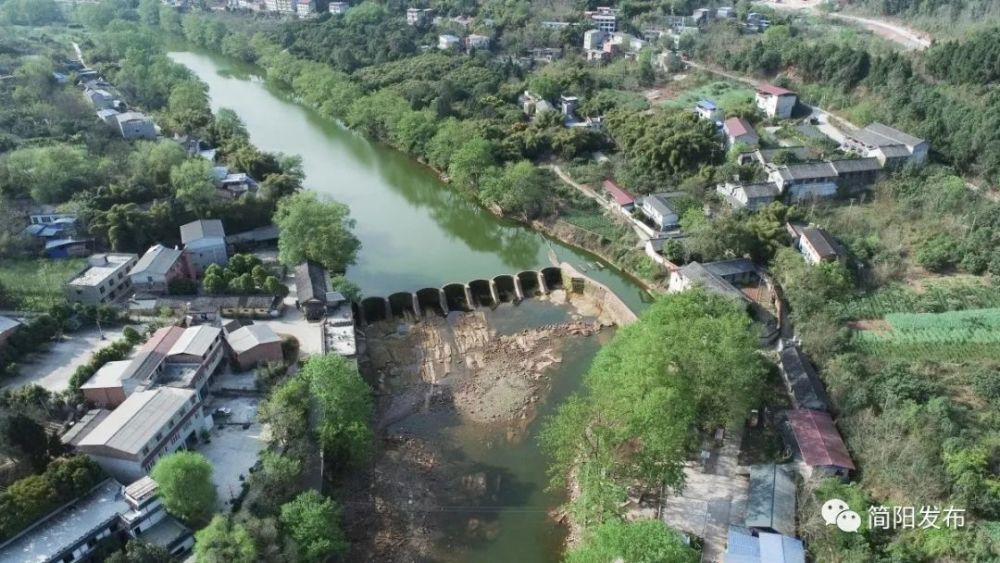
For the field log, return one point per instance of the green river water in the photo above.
(417, 232)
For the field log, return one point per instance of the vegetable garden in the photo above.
(952, 335)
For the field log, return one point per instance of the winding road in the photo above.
(906, 37)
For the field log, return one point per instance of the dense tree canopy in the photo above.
(224, 541)
(315, 229)
(313, 523)
(185, 486)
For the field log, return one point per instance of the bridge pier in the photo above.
(518, 290)
(494, 293)
(541, 284)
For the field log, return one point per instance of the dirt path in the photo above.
(904, 36)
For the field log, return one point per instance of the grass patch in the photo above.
(593, 221)
(726, 95)
(36, 285)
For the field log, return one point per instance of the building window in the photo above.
(159, 436)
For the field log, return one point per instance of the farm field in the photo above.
(727, 95)
(952, 335)
(35, 285)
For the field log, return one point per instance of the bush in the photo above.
(939, 253)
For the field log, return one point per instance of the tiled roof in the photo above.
(248, 337)
(820, 241)
(621, 196)
(202, 229)
(774, 90)
(310, 282)
(156, 261)
(805, 387)
(737, 126)
(818, 439)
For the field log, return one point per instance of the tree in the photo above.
(286, 412)
(471, 162)
(186, 488)
(149, 12)
(26, 439)
(644, 541)
(141, 552)
(692, 354)
(315, 229)
(277, 479)
(344, 406)
(193, 184)
(224, 541)
(187, 107)
(313, 522)
(518, 189)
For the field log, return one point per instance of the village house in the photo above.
(254, 345)
(418, 16)
(147, 518)
(804, 386)
(623, 200)
(742, 546)
(739, 130)
(195, 147)
(104, 280)
(448, 42)
(751, 197)
(206, 308)
(475, 41)
(338, 8)
(71, 532)
(724, 12)
(776, 101)
(706, 109)
(136, 125)
(818, 443)
(146, 426)
(891, 147)
(305, 8)
(8, 327)
(771, 502)
(44, 214)
(593, 39)
(205, 243)
(108, 116)
(716, 277)
(173, 356)
(233, 184)
(281, 6)
(808, 180)
(604, 18)
(158, 267)
(311, 287)
(660, 210)
(815, 244)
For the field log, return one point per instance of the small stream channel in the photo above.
(417, 232)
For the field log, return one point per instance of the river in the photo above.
(417, 232)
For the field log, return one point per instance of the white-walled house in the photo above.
(776, 101)
(205, 243)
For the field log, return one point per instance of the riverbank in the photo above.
(453, 394)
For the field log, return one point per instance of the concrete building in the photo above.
(816, 245)
(205, 243)
(157, 268)
(418, 16)
(281, 6)
(751, 197)
(447, 42)
(71, 532)
(475, 41)
(660, 210)
(593, 39)
(706, 109)
(739, 130)
(148, 425)
(776, 101)
(104, 280)
(604, 18)
(305, 8)
(891, 147)
(254, 345)
(136, 125)
(44, 214)
(311, 287)
(721, 277)
(338, 8)
(173, 356)
(148, 520)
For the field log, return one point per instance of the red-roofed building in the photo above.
(624, 200)
(819, 442)
(776, 101)
(739, 130)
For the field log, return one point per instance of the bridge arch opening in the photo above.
(430, 300)
(375, 309)
(456, 297)
(553, 278)
(529, 284)
(482, 295)
(505, 288)
(401, 305)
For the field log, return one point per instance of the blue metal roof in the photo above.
(707, 104)
(776, 548)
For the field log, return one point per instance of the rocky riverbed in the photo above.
(436, 379)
